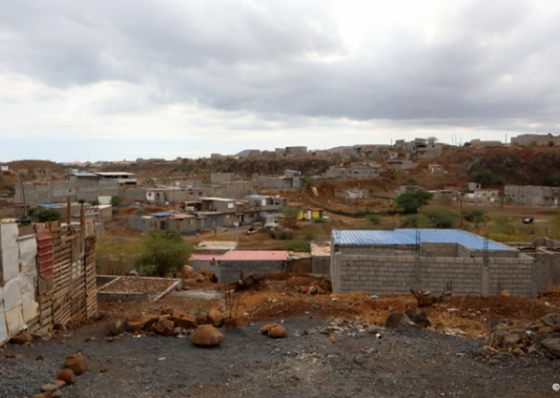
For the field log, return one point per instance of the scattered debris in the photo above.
(425, 298)
(274, 330)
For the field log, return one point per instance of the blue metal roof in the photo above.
(162, 214)
(408, 237)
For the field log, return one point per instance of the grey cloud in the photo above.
(493, 64)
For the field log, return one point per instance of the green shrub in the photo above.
(475, 216)
(375, 219)
(298, 245)
(440, 217)
(410, 201)
(165, 251)
(117, 258)
(318, 220)
(44, 214)
(116, 201)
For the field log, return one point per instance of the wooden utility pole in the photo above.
(69, 210)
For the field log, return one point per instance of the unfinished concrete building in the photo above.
(290, 180)
(532, 195)
(536, 139)
(390, 262)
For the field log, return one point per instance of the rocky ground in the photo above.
(316, 359)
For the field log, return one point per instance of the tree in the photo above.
(488, 178)
(308, 181)
(44, 214)
(476, 216)
(410, 201)
(165, 251)
(431, 140)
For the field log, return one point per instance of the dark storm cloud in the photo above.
(487, 65)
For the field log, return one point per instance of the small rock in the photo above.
(167, 310)
(497, 320)
(510, 339)
(164, 327)
(134, 327)
(61, 383)
(49, 387)
(206, 335)
(103, 370)
(40, 358)
(76, 363)
(215, 317)
(552, 345)
(551, 319)
(22, 338)
(274, 330)
(202, 316)
(43, 395)
(183, 320)
(419, 317)
(56, 394)
(117, 327)
(67, 376)
(60, 327)
(518, 352)
(398, 320)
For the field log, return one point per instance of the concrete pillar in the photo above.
(485, 280)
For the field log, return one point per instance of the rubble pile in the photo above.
(190, 276)
(541, 338)
(172, 323)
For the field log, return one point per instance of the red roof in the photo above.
(255, 255)
(205, 257)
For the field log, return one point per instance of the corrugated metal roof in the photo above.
(408, 237)
(255, 255)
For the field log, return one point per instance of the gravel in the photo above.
(399, 364)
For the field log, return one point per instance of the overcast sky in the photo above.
(109, 80)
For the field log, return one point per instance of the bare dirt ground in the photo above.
(356, 361)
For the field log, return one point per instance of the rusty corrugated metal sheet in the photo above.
(45, 253)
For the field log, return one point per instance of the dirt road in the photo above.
(353, 364)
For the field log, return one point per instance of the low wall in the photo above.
(229, 270)
(395, 274)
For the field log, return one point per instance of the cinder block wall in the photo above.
(395, 274)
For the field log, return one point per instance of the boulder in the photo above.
(150, 321)
(208, 275)
(76, 363)
(22, 338)
(67, 376)
(183, 320)
(551, 319)
(117, 327)
(188, 272)
(164, 327)
(274, 330)
(215, 317)
(552, 345)
(206, 335)
(398, 320)
(419, 317)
